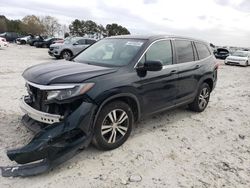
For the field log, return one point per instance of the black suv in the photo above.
(100, 93)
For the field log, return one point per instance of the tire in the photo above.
(108, 134)
(44, 46)
(246, 64)
(202, 98)
(22, 42)
(66, 54)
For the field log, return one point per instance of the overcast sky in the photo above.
(222, 22)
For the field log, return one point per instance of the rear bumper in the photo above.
(54, 144)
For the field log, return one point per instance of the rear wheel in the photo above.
(201, 100)
(113, 126)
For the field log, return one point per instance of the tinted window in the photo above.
(88, 41)
(159, 51)
(184, 51)
(202, 50)
(81, 41)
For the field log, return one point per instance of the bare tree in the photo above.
(51, 25)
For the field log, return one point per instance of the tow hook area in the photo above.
(53, 144)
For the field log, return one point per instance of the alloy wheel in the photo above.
(66, 55)
(203, 98)
(115, 126)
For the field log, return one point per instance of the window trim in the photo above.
(159, 40)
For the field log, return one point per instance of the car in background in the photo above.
(46, 43)
(238, 58)
(221, 53)
(24, 40)
(70, 47)
(32, 41)
(10, 36)
(58, 41)
(3, 42)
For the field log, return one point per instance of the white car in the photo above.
(238, 58)
(3, 42)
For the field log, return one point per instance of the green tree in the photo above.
(3, 24)
(76, 28)
(115, 29)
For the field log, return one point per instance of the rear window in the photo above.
(202, 50)
(184, 51)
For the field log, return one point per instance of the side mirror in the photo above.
(153, 66)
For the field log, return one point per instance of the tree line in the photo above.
(50, 26)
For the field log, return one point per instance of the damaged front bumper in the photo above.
(54, 143)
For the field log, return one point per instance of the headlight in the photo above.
(63, 94)
(56, 47)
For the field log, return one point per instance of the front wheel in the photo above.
(113, 126)
(66, 54)
(201, 100)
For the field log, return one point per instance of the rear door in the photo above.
(188, 70)
(158, 89)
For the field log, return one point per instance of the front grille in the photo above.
(38, 97)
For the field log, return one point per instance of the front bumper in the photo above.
(233, 62)
(54, 53)
(38, 115)
(54, 143)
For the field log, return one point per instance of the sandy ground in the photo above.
(177, 148)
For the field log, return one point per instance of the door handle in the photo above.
(173, 72)
(197, 66)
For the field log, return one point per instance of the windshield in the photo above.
(240, 54)
(111, 52)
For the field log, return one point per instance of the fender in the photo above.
(130, 95)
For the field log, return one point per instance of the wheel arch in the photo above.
(128, 98)
(66, 49)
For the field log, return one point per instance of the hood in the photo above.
(57, 44)
(60, 72)
(231, 57)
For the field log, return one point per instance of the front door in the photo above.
(158, 89)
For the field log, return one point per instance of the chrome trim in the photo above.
(52, 87)
(38, 115)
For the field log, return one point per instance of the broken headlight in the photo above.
(63, 94)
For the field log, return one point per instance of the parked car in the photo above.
(238, 58)
(3, 42)
(221, 53)
(32, 41)
(70, 47)
(24, 40)
(10, 36)
(46, 43)
(105, 89)
(58, 41)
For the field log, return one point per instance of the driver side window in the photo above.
(159, 51)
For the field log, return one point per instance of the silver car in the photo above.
(238, 58)
(70, 47)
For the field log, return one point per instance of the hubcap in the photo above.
(115, 125)
(203, 98)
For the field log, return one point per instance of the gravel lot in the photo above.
(177, 148)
